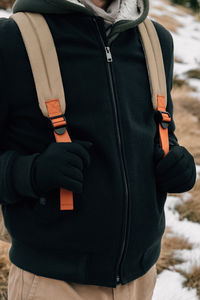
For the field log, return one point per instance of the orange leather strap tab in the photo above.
(164, 141)
(61, 138)
(163, 132)
(61, 135)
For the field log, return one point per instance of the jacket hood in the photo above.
(126, 11)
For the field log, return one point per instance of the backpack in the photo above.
(50, 92)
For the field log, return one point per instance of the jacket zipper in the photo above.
(109, 61)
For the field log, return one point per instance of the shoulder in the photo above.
(165, 37)
(9, 34)
(7, 26)
(167, 46)
(163, 33)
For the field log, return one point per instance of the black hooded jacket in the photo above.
(114, 233)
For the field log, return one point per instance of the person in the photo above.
(108, 245)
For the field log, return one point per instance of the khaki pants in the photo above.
(23, 285)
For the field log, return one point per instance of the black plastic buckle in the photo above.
(159, 117)
(60, 129)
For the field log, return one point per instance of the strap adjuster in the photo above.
(59, 124)
(164, 118)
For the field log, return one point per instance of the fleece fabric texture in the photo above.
(62, 164)
(179, 162)
(110, 13)
(129, 14)
(116, 227)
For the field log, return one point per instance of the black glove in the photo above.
(176, 172)
(60, 165)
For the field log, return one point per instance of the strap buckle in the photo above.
(59, 124)
(164, 118)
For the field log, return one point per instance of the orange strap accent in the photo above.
(163, 132)
(61, 135)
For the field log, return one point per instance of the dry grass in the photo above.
(197, 17)
(190, 209)
(192, 279)
(187, 120)
(167, 21)
(160, 8)
(179, 83)
(6, 3)
(4, 269)
(193, 107)
(169, 244)
(178, 60)
(194, 73)
(181, 9)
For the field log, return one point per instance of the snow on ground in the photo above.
(169, 285)
(4, 14)
(198, 171)
(186, 42)
(185, 228)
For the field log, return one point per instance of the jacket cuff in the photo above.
(173, 140)
(22, 175)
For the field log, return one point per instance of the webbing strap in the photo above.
(163, 132)
(43, 58)
(156, 73)
(58, 121)
(61, 135)
(47, 77)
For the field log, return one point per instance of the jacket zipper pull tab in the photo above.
(108, 54)
(118, 279)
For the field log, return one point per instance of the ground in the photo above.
(179, 264)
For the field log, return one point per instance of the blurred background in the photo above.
(179, 264)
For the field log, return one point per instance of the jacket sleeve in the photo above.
(173, 140)
(8, 157)
(167, 46)
(186, 177)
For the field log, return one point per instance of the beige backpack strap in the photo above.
(43, 58)
(156, 72)
(45, 67)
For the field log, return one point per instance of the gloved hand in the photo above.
(61, 165)
(176, 172)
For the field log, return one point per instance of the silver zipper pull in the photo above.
(108, 54)
(118, 279)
